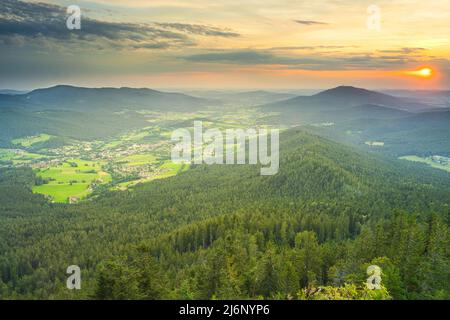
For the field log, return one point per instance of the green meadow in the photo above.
(61, 192)
(18, 157)
(169, 169)
(71, 179)
(29, 141)
(166, 170)
(135, 136)
(6, 155)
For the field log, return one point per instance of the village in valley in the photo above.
(69, 170)
(78, 169)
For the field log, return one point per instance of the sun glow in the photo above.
(426, 72)
(423, 72)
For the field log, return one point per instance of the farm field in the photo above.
(166, 170)
(72, 178)
(61, 192)
(18, 157)
(6, 155)
(169, 169)
(29, 141)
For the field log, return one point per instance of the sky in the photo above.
(208, 44)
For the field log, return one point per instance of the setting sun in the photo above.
(423, 72)
(426, 72)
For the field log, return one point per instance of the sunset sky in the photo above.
(229, 44)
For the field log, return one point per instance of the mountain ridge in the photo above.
(348, 96)
(73, 97)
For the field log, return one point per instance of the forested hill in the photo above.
(86, 113)
(227, 232)
(63, 97)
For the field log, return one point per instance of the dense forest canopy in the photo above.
(226, 232)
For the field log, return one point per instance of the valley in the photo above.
(73, 170)
(129, 157)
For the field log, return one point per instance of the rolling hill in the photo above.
(85, 113)
(355, 116)
(346, 97)
(111, 99)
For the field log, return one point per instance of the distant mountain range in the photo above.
(345, 97)
(355, 115)
(79, 98)
(76, 98)
(85, 113)
(436, 98)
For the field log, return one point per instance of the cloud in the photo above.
(310, 22)
(318, 61)
(236, 57)
(27, 22)
(199, 29)
(407, 50)
(259, 57)
(309, 48)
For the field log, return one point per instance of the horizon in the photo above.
(186, 90)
